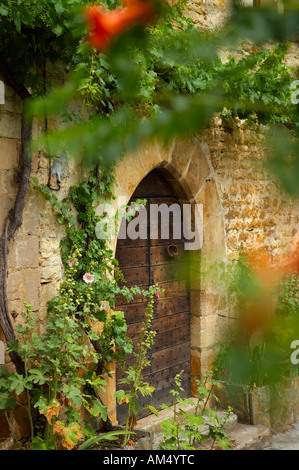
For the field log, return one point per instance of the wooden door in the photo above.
(145, 262)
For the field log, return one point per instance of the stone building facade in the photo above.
(220, 168)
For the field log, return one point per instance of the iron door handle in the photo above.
(172, 250)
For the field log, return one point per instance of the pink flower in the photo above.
(72, 261)
(158, 294)
(88, 278)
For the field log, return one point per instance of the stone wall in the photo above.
(222, 168)
(274, 405)
(256, 211)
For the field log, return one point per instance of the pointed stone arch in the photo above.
(186, 166)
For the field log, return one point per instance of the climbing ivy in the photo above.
(64, 368)
(34, 32)
(91, 273)
(168, 80)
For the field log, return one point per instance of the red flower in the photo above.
(258, 313)
(104, 25)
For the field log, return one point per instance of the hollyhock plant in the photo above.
(88, 278)
(104, 25)
(72, 262)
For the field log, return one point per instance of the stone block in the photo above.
(12, 105)
(30, 225)
(165, 151)
(10, 125)
(49, 248)
(236, 396)
(195, 303)
(32, 287)
(209, 198)
(9, 153)
(209, 275)
(27, 252)
(194, 267)
(214, 247)
(4, 428)
(122, 199)
(150, 156)
(6, 203)
(198, 171)
(196, 369)
(205, 330)
(204, 302)
(273, 406)
(182, 155)
(129, 172)
(51, 273)
(21, 423)
(194, 386)
(107, 395)
(225, 326)
(7, 182)
(15, 285)
(283, 404)
(47, 292)
(260, 406)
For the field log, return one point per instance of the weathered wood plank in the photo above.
(170, 356)
(135, 311)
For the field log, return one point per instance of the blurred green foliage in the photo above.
(261, 354)
(162, 81)
(289, 295)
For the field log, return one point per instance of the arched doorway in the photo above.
(158, 258)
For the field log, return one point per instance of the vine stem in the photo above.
(12, 430)
(142, 350)
(28, 401)
(13, 219)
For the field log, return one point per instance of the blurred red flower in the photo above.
(258, 313)
(105, 25)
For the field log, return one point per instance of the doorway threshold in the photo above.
(150, 426)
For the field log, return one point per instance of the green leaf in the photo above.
(121, 395)
(152, 409)
(42, 404)
(168, 427)
(97, 408)
(17, 21)
(37, 376)
(224, 444)
(112, 435)
(194, 420)
(38, 444)
(6, 401)
(59, 7)
(18, 383)
(3, 10)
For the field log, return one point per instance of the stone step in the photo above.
(241, 436)
(150, 426)
(249, 437)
